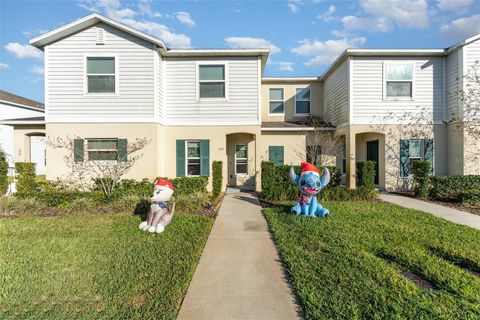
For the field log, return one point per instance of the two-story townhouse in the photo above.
(107, 83)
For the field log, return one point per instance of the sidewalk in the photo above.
(240, 275)
(446, 213)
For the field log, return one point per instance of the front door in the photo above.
(372, 155)
(37, 153)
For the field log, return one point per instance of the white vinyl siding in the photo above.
(183, 107)
(367, 96)
(336, 87)
(453, 75)
(65, 94)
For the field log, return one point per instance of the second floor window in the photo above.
(302, 101)
(399, 80)
(276, 101)
(211, 81)
(101, 75)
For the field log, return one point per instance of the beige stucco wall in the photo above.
(146, 167)
(289, 91)
(21, 140)
(471, 149)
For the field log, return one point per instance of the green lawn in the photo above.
(358, 263)
(96, 267)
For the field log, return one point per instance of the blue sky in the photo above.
(304, 36)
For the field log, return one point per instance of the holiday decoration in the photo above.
(159, 217)
(309, 184)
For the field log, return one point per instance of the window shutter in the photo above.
(428, 153)
(279, 155)
(78, 150)
(404, 165)
(180, 158)
(205, 158)
(122, 150)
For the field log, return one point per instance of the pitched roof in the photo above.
(18, 100)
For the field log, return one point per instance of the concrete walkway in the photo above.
(446, 213)
(240, 275)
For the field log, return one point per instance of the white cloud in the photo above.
(248, 42)
(325, 52)
(4, 66)
(454, 5)
(37, 69)
(33, 79)
(376, 24)
(405, 13)
(113, 9)
(184, 17)
(23, 51)
(285, 66)
(34, 32)
(461, 28)
(328, 15)
(294, 5)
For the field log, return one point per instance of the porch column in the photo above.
(350, 159)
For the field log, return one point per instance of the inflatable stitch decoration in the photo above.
(159, 217)
(309, 184)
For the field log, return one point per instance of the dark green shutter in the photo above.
(78, 150)
(428, 153)
(404, 165)
(279, 155)
(180, 158)
(205, 158)
(122, 150)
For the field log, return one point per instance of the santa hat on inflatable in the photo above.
(164, 183)
(309, 168)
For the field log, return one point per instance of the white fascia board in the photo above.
(22, 106)
(290, 79)
(462, 43)
(21, 122)
(299, 129)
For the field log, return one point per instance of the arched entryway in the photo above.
(241, 159)
(37, 146)
(371, 146)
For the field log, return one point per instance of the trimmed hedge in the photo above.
(217, 177)
(447, 187)
(25, 176)
(189, 185)
(421, 178)
(61, 199)
(3, 173)
(366, 174)
(469, 196)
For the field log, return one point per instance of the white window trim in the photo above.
(385, 63)
(303, 114)
(270, 100)
(246, 160)
(197, 79)
(422, 155)
(100, 161)
(187, 157)
(85, 77)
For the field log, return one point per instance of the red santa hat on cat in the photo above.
(164, 183)
(309, 168)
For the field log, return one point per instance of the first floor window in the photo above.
(211, 81)
(275, 154)
(415, 150)
(241, 159)
(399, 80)
(276, 103)
(302, 101)
(102, 149)
(193, 158)
(100, 74)
(314, 154)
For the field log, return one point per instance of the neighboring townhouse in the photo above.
(22, 130)
(108, 83)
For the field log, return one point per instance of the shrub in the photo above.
(17, 206)
(421, 178)
(128, 204)
(25, 176)
(189, 185)
(3, 173)
(276, 184)
(366, 174)
(344, 194)
(61, 198)
(191, 203)
(217, 177)
(78, 205)
(130, 187)
(447, 187)
(469, 196)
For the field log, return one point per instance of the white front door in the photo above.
(37, 153)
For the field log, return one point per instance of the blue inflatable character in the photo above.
(309, 184)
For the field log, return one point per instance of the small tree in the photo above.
(26, 176)
(217, 177)
(83, 174)
(366, 174)
(3, 172)
(421, 178)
